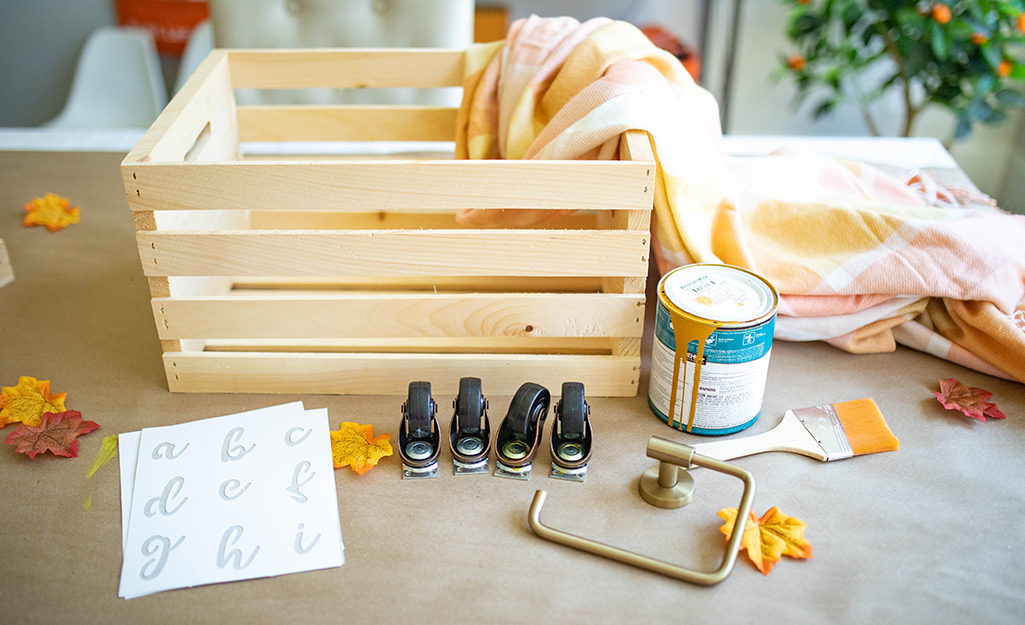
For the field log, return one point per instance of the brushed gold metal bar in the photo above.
(673, 458)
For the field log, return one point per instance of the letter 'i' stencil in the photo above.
(262, 479)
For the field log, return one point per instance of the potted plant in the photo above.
(962, 55)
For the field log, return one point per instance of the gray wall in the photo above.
(39, 44)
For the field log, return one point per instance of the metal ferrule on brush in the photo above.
(823, 423)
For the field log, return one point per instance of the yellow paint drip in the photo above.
(685, 330)
(88, 503)
(108, 450)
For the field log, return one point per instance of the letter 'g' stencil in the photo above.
(239, 475)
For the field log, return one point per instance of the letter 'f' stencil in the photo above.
(228, 499)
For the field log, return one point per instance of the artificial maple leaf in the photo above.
(57, 433)
(51, 211)
(354, 445)
(26, 402)
(769, 538)
(971, 401)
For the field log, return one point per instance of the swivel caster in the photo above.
(469, 436)
(571, 434)
(519, 436)
(419, 435)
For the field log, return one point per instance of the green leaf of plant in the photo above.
(939, 43)
(986, 84)
(805, 24)
(992, 54)
(824, 109)
(911, 21)
(980, 110)
(916, 58)
(961, 29)
(851, 14)
(1010, 97)
(963, 128)
(996, 117)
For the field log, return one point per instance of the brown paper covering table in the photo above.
(932, 533)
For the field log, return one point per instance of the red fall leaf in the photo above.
(970, 400)
(57, 433)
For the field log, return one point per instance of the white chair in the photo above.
(117, 84)
(200, 43)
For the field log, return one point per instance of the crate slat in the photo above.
(399, 315)
(362, 186)
(390, 374)
(346, 68)
(346, 123)
(598, 346)
(414, 284)
(389, 220)
(395, 253)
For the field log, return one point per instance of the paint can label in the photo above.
(735, 359)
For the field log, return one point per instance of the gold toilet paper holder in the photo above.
(666, 485)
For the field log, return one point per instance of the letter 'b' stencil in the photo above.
(262, 481)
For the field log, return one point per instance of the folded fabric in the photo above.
(861, 259)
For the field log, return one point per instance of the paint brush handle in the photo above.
(790, 435)
(736, 448)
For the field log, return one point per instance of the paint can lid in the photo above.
(723, 293)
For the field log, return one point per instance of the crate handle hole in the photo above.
(197, 146)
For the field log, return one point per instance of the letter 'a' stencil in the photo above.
(262, 480)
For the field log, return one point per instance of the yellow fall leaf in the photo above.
(769, 538)
(354, 445)
(52, 211)
(26, 402)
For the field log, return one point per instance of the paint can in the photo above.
(724, 317)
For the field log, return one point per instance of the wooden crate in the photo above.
(6, 272)
(352, 276)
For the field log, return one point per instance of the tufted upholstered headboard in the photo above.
(344, 24)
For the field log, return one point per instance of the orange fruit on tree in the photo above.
(941, 13)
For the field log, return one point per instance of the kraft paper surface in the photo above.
(931, 533)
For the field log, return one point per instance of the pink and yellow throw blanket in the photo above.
(861, 260)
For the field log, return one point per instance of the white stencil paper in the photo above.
(230, 498)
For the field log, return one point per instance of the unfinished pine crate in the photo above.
(6, 272)
(352, 276)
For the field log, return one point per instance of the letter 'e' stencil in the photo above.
(226, 499)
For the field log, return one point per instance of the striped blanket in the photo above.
(861, 259)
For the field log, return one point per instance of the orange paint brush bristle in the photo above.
(865, 427)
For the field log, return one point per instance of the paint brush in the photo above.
(829, 432)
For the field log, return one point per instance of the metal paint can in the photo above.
(725, 316)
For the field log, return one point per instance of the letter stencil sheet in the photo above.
(229, 498)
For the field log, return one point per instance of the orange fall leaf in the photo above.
(355, 446)
(27, 401)
(769, 538)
